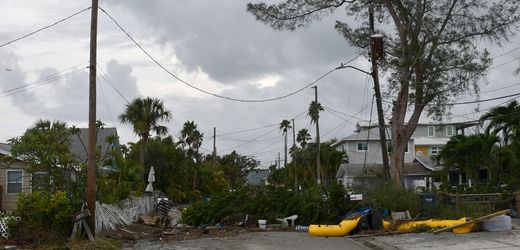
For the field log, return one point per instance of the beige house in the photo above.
(14, 179)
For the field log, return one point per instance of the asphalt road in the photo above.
(258, 241)
(296, 240)
(472, 241)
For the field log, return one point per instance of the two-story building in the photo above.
(365, 159)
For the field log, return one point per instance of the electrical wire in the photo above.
(39, 83)
(45, 27)
(105, 78)
(46, 78)
(208, 92)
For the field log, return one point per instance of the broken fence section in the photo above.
(110, 217)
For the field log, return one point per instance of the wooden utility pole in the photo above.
(214, 162)
(293, 153)
(91, 179)
(377, 53)
(318, 147)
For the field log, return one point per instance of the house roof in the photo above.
(428, 162)
(79, 142)
(5, 149)
(257, 176)
(376, 170)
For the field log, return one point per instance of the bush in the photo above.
(44, 217)
(311, 206)
(393, 198)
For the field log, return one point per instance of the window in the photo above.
(435, 150)
(449, 130)
(362, 146)
(40, 180)
(14, 181)
(431, 131)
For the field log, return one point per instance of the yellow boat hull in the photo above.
(345, 227)
(410, 225)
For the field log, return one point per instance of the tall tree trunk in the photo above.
(142, 148)
(285, 151)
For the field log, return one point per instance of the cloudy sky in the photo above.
(214, 45)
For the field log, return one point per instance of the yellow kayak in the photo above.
(410, 225)
(345, 227)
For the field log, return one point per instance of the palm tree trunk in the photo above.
(285, 151)
(142, 149)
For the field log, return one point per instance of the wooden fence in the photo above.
(478, 204)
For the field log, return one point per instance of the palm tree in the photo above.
(144, 115)
(285, 125)
(469, 154)
(504, 120)
(302, 137)
(192, 138)
(314, 112)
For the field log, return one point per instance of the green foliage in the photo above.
(391, 197)
(269, 203)
(44, 217)
(303, 166)
(144, 115)
(182, 178)
(45, 148)
(469, 154)
(122, 182)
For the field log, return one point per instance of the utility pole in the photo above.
(214, 162)
(293, 153)
(318, 162)
(91, 179)
(376, 50)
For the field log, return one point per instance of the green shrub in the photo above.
(44, 217)
(393, 198)
(311, 206)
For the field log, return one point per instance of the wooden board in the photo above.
(480, 219)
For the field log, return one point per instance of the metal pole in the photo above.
(91, 179)
(379, 104)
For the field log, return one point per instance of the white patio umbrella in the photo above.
(151, 179)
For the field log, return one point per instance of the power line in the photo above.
(507, 52)
(352, 116)
(38, 83)
(208, 92)
(247, 142)
(105, 78)
(46, 78)
(247, 130)
(485, 100)
(45, 27)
